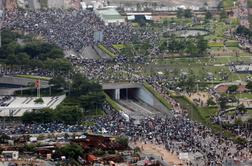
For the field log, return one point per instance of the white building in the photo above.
(10, 154)
(110, 15)
(17, 106)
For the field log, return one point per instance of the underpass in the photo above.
(134, 100)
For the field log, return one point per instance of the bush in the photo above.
(72, 151)
(210, 102)
(33, 77)
(39, 101)
(118, 46)
(106, 51)
(99, 152)
(232, 88)
(250, 3)
(215, 44)
(231, 44)
(240, 140)
(123, 141)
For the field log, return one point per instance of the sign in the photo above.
(37, 84)
(98, 36)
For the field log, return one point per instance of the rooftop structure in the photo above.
(17, 106)
(110, 15)
(241, 68)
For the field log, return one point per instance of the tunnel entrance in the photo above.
(122, 94)
(111, 93)
(135, 100)
(128, 93)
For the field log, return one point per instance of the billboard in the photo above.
(98, 36)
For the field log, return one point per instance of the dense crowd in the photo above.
(72, 29)
(75, 30)
(242, 13)
(177, 133)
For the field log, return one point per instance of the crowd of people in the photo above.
(73, 30)
(176, 133)
(242, 12)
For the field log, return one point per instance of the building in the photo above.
(11, 106)
(10, 154)
(110, 15)
(241, 68)
(38, 4)
(134, 16)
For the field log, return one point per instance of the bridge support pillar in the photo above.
(117, 94)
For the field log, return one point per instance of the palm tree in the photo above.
(222, 100)
(241, 109)
(139, 7)
(154, 5)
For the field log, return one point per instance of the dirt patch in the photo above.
(199, 98)
(159, 150)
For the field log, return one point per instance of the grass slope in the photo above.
(106, 51)
(112, 103)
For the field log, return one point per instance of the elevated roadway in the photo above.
(10, 80)
(111, 86)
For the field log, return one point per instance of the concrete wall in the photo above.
(55, 3)
(147, 97)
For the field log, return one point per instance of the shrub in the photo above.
(106, 51)
(39, 101)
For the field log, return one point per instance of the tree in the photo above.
(92, 101)
(4, 138)
(38, 116)
(72, 151)
(139, 7)
(191, 49)
(33, 54)
(202, 44)
(241, 141)
(58, 82)
(124, 141)
(187, 13)
(241, 108)
(39, 101)
(223, 100)
(180, 13)
(220, 5)
(82, 86)
(210, 101)
(165, 22)
(163, 46)
(23, 58)
(208, 15)
(249, 85)
(68, 114)
(232, 88)
(223, 14)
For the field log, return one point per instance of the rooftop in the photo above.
(109, 13)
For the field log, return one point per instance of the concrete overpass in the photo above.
(132, 91)
(10, 80)
(120, 90)
(107, 86)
